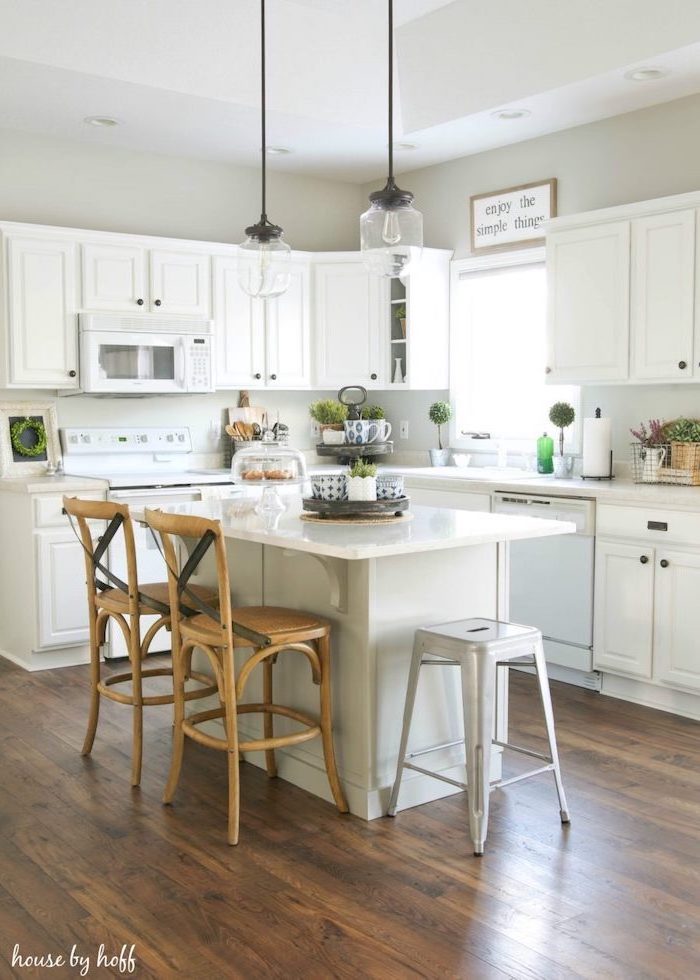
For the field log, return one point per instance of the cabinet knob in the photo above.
(257, 376)
(157, 303)
(682, 365)
(644, 559)
(373, 377)
(548, 370)
(273, 377)
(139, 302)
(664, 563)
(72, 374)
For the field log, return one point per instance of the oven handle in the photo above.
(117, 495)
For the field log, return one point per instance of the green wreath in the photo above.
(18, 429)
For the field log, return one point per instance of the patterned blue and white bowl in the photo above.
(389, 487)
(329, 486)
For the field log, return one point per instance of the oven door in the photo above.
(149, 561)
(132, 363)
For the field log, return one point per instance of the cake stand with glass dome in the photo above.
(270, 466)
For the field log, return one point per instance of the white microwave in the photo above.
(145, 355)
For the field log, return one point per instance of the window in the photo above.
(498, 354)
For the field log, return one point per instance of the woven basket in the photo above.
(686, 456)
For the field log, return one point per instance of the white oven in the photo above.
(145, 355)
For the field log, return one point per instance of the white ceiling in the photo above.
(183, 75)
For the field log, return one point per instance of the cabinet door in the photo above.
(180, 283)
(239, 329)
(662, 295)
(60, 587)
(114, 278)
(287, 333)
(43, 330)
(588, 296)
(428, 329)
(351, 317)
(677, 619)
(624, 608)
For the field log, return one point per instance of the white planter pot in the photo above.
(362, 488)
(333, 437)
(439, 457)
(652, 461)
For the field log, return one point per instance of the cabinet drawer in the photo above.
(48, 508)
(651, 524)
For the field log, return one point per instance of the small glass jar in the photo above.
(268, 464)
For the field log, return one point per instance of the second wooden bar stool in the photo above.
(267, 631)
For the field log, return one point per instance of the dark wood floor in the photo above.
(85, 860)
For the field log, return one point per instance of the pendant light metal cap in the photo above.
(391, 197)
(264, 231)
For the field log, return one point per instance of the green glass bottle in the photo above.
(545, 454)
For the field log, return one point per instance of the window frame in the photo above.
(488, 263)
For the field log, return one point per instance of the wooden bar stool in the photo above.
(267, 631)
(124, 603)
(478, 647)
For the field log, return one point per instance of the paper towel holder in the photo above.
(610, 475)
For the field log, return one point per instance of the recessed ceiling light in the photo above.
(102, 122)
(645, 74)
(405, 146)
(509, 114)
(277, 151)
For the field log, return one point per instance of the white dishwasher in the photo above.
(551, 582)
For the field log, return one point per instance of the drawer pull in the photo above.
(644, 559)
(657, 525)
(664, 563)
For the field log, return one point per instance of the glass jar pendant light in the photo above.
(391, 230)
(263, 258)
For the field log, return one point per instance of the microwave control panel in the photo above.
(200, 364)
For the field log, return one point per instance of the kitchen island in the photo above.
(375, 584)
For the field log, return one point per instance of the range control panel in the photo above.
(93, 441)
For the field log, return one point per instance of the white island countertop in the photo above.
(428, 529)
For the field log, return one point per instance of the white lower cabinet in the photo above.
(624, 608)
(677, 619)
(60, 589)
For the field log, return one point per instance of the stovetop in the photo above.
(153, 478)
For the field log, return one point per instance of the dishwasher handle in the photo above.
(574, 509)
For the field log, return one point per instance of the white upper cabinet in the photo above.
(588, 303)
(180, 283)
(288, 331)
(427, 322)
(41, 336)
(351, 315)
(114, 277)
(662, 296)
(239, 327)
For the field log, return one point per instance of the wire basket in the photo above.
(673, 462)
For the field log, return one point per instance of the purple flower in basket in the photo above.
(655, 435)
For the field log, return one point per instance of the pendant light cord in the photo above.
(391, 91)
(263, 215)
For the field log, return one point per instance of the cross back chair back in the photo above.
(266, 631)
(122, 602)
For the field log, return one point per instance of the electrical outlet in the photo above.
(403, 430)
(315, 430)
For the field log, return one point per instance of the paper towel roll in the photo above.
(597, 447)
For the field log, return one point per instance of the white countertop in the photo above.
(431, 529)
(38, 483)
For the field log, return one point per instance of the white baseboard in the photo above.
(50, 659)
(652, 696)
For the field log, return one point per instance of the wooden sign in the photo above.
(512, 218)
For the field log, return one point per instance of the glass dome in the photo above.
(268, 464)
(263, 264)
(391, 238)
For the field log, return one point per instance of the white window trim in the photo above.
(479, 263)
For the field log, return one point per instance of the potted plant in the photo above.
(400, 315)
(650, 452)
(439, 414)
(362, 481)
(372, 412)
(330, 415)
(684, 437)
(561, 414)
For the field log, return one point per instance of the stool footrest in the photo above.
(517, 748)
(525, 775)
(435, 775)
(435, 748)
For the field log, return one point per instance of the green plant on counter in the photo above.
(562, 415)
(327, 411)
(440, 414)
(373, 412)
(683, 430)
(362, 469)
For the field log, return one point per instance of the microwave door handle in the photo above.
(182, 365)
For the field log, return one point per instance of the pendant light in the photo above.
(263, 258)
(391, 230)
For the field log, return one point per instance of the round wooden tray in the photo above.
(350, 508)
(349, 452)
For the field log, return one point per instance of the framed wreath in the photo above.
(28, 438)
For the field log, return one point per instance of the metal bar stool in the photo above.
(478, 647)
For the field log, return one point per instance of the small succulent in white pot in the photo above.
(362, 481)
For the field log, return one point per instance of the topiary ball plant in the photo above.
(440, 414)
(562, 415)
